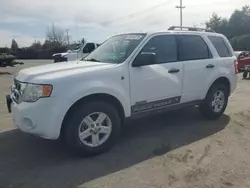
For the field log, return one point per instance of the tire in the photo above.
(73, 126)
(245, 75)
(208, 109)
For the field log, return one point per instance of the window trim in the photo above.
(226, 44)
(158, 63)
(210, 55)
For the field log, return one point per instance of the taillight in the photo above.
(236, 66)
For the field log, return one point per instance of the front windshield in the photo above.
(116, 49)
(77, 48)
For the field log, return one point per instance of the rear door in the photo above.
(224, 56)
(198, 66)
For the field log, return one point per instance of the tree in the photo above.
(48, 44)
(36, 45)
(14, 45)
(239, 22)
(241, 42)
(218, 24)
(56, 35)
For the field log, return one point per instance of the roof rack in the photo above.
(191, 29)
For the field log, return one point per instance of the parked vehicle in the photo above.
(130, 75)
(80, 52)
(243, 62)
(6, 59)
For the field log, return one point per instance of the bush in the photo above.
(241, 43)
(32, 53)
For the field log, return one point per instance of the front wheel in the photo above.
(92, 128)
(215, 102)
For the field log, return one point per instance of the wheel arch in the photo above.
(95, 97)
(221, 80)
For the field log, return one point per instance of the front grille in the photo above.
(58, 58)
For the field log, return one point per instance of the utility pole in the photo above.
(180, 7)
(67, 36)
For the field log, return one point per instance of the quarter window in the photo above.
(221, 46)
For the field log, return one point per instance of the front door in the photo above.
(157, 85)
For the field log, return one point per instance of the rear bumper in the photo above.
(233, 83)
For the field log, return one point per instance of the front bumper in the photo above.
(38, 118)
(60, 59)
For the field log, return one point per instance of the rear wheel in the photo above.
(92, 128)
(245, 74)
(215, 102)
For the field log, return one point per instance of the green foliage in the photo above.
(241, 43)
(236, 28)
(218, 24)
(36, 45)
(55, 43)
(239, 22)
(14, 46)
(48, 44)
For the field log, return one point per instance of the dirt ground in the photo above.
(178, 150)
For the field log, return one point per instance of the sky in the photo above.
(96, 20)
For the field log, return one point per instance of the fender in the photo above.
(98, 87)
(85, 89)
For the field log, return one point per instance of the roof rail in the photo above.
(191, 29)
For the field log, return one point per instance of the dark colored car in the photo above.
(6, 59)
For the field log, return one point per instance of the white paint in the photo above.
(74, 80)
(75, 55)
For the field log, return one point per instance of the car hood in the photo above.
(59, 70)
(62, 54)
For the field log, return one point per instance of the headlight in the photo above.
(33, 92)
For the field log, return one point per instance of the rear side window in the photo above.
(192, 47)
(221, 46)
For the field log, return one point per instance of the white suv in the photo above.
(86, 102)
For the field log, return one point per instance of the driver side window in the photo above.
(164, 47)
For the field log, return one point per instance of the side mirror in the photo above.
(144, 58)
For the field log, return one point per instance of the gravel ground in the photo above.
(178, 149)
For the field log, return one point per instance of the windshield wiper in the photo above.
(92, 59)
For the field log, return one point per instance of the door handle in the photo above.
(173, 70)
(210, 66)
